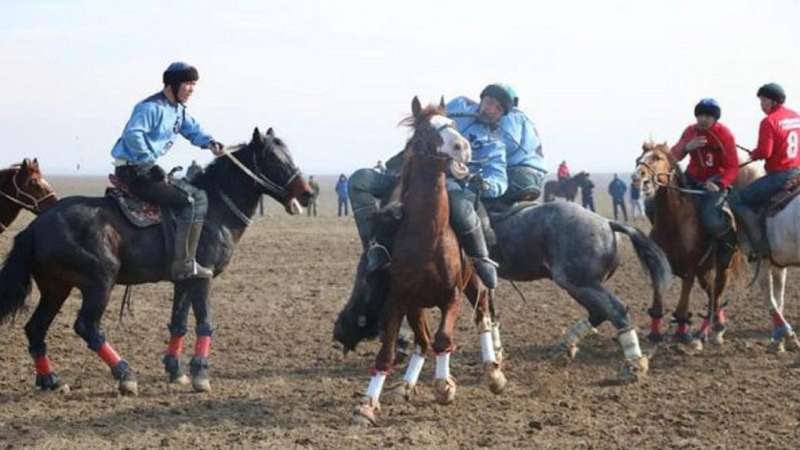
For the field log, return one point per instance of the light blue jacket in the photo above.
(488, 149)
(152, 129)
(523, 147)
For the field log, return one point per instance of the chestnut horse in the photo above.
(428, 270)
(23, 187)
(87, 243)
(691, 251)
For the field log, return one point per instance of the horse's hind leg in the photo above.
(603, 305)
(772, 280)
(487, 329)
(177, 330)
(87, 326)
(683, 333)
(482, 301)
(52, 299)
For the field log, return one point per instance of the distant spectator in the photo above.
(563, 172)
(637, 202)
(341, 192)
(380, 167)
(312, 203)
(193, 170)
(587, 194)
(617, 190)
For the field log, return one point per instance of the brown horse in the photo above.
(567, 188)
(23, 187)
(691, 251)
(428, 270)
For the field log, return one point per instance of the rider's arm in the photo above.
(765, 141)
(494, 173)
(730, 160)
(143, 120)
(678, 150)
(192, 131)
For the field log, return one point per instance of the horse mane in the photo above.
(214, 172)
(423, 117)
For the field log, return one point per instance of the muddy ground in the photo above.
(279, 381)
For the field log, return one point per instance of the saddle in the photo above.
(791, 189)
(139, 213)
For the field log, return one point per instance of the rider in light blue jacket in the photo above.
(524, 156)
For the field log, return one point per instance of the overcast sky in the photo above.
(334, 78)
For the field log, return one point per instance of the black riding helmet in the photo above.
(772, 91)
(177, 73)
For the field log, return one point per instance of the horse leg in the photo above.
(52, 299)
(719, 325)
(87, 326)
(656, 313)
(476, 292)
(491, 362)
(419, 324)
(364, 414)
(790, 337)
(603, 305)
(443, 346)
(177, 329)
(781, 329)
(197, 292)
(706, 284)
(682, 317)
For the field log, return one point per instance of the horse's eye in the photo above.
(278, 142)
(457, 146)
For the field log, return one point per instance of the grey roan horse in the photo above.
(562, 241)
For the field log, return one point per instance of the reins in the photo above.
(33, 206)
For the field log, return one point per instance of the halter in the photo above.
(269, 186)
(33, 206)
(670, 175)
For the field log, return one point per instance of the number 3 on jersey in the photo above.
(792, 141)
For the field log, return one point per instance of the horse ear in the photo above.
(25, 163)
(270, 132)
(441, 102)
(416, 107)
(256, 135)
(35, 163)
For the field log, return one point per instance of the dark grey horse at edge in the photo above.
(575, 248)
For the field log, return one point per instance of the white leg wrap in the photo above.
(579, 331)
(630, 344)
(443, 366)
(414, 368)
(487, 347)
(496, 337)
(376, 385)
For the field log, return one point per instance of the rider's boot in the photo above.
(377, 254)
(474, 244)
(187, 236)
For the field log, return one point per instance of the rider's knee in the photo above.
(361, 179)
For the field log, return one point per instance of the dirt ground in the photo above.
(279, 381)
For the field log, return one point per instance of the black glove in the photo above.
(157, 173)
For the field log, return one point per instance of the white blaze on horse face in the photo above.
(645, 174)
(454, 144)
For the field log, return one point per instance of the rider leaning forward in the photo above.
(507, 156)
(149, 134)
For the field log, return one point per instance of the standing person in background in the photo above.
(637, 206)
(587, 194)
(312, 203)
(193, 170)
(617, 191)
(342, 193)
(380, 167)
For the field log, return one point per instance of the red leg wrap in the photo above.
(202, 346)
(108, 355)
(655, 325)
(721, 316)
(175, 347)
(704, 326)
(43, 366)
(777, 319)
(683, 328)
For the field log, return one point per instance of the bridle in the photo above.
(269, 186)
(654, 175)
(24, 199)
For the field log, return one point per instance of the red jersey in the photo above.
(778, 140)
(717, 158)
(563, 171)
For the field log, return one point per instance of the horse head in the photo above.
(276, 174)
(435, 135)
(655, 167)
(29, 189)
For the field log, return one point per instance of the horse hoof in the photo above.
(655, 338)
(718, 337)
(129, 388)
(495, 377)
(49, 382)
(403, 392)
(364, 416)
(776, 347)
(498, 355)
(792, 343)
(180, 380)
(634, 370)
(445, 390)
(683, 338)
(201, 384)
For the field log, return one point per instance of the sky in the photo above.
(334, 78)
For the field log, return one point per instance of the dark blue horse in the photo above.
(561, 241)
(87, 243)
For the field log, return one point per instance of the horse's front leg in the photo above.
(444, 346)
(197, 291)
(177, 330)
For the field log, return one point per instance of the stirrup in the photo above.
(378, 257)
(486, 270)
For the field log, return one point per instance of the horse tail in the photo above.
(15, 276)
(650, 254)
